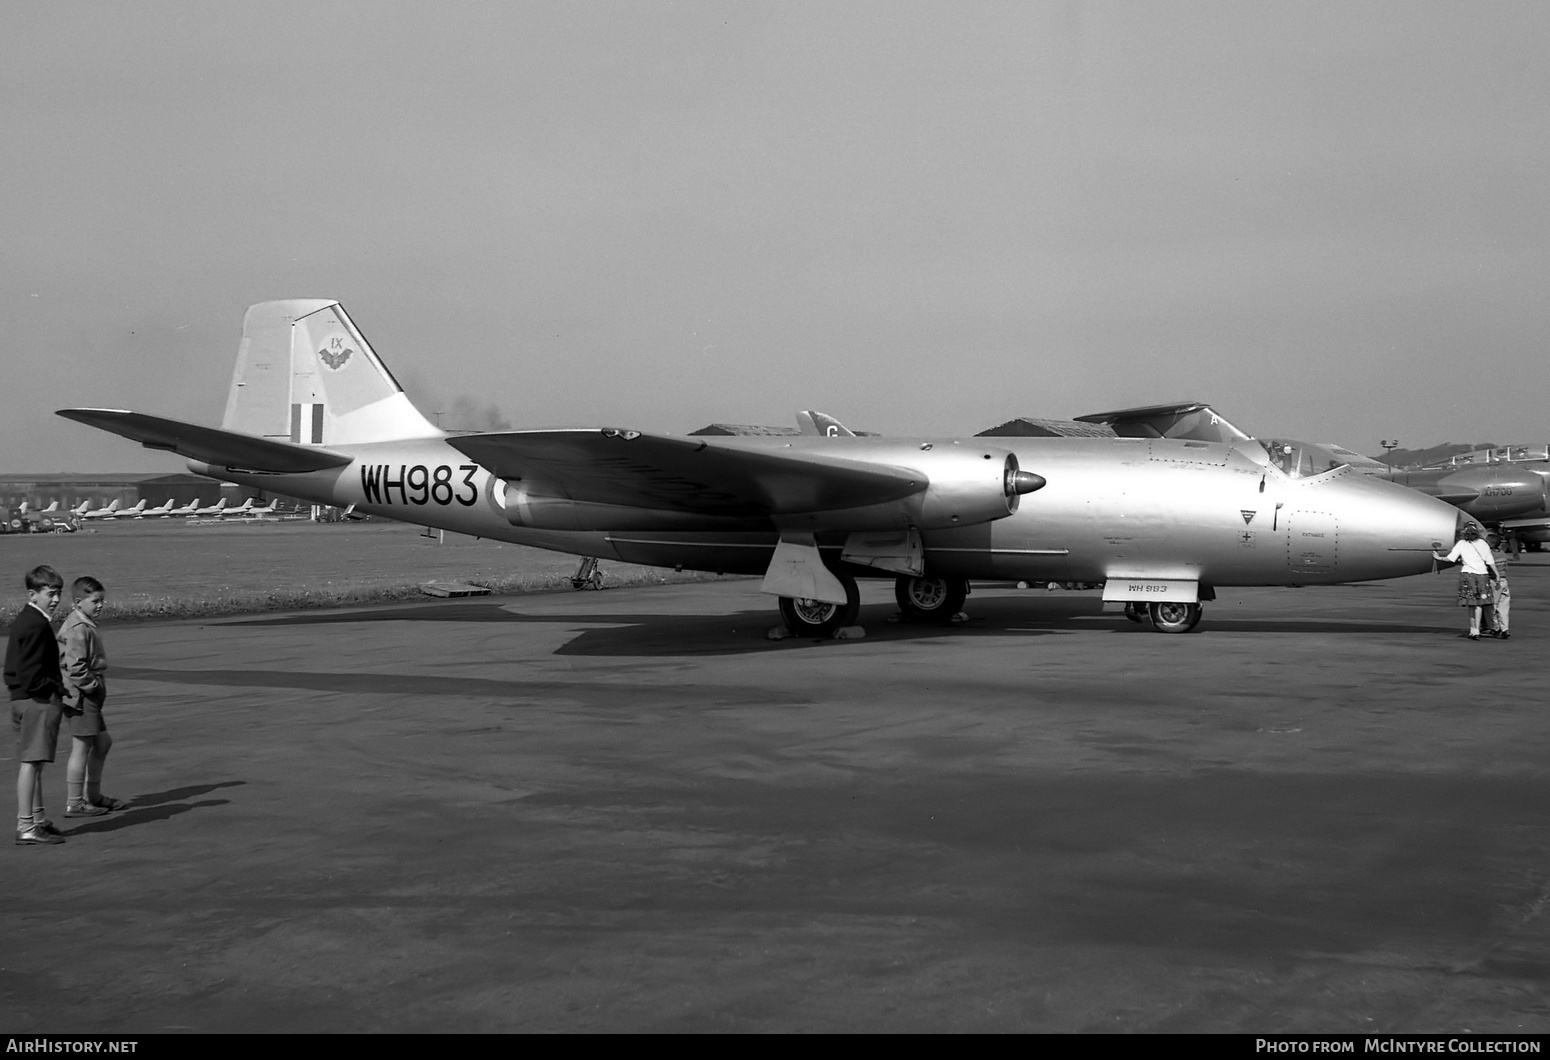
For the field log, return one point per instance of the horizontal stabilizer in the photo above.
(706, 476)
(209, 445)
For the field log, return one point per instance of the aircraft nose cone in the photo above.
(1423, 524)
(1387, 530)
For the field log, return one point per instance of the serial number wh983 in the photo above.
(419, 484)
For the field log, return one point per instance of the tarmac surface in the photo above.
(628, 810)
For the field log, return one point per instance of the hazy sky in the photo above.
(1329, 220)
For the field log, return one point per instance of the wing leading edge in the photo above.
(686, 474)
(209, 445)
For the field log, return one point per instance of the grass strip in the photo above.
(139, 608)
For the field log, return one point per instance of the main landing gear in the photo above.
(921, 600)
(930, 599)
(819, 618)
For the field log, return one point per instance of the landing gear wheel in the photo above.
(817, 618)
(1170, 616)
(930, 599)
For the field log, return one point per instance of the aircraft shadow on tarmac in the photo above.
(741, 632)
(156, 806)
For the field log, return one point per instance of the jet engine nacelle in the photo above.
(959, 486)
(966, 485)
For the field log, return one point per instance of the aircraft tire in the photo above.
(930, 599)
(1169, 616)
(816, 618)
(47, 524)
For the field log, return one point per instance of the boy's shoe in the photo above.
(48, 828)
(85, 809)
(109, 803)
(36, 836)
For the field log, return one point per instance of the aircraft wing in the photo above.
(209, 445)
(694, 474)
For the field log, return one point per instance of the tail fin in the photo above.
(823, 425)
(306, 374)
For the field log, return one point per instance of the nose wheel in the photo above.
(1171, 616)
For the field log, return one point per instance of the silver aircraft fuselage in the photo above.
(1112, 508)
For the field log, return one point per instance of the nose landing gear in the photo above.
(1171, 616)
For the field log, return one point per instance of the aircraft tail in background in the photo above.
(822, 425)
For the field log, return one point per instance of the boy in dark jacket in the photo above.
(33, 678)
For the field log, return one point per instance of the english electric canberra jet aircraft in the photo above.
(313, 412)
(1507, 488)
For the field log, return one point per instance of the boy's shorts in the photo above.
(86, 720)
(36, 722)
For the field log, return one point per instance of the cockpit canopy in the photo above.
(1306, 459)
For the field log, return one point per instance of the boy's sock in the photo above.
(24, 822)
(73, 791)
(39, 815)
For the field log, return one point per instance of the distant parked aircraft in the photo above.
(103, 513)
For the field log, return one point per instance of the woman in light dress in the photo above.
(1475, 578)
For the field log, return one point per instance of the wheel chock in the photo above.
(779, 633)
(849, 633)
(961, 616)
